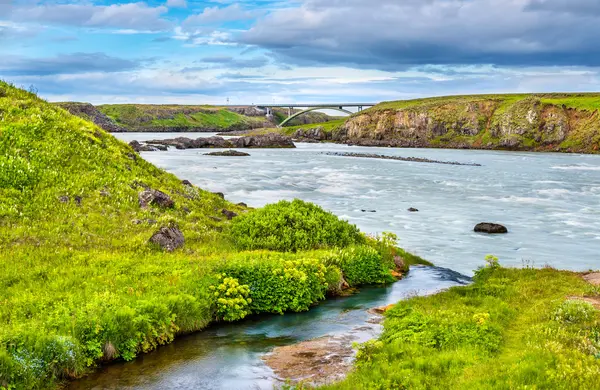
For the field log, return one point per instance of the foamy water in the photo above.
(549, 202)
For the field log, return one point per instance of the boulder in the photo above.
(155, 197)
(229, 214)
(413, 210)
(399, 262)
(220, 195)
(271, 140)
(139, 147)
(187, 183)
(168, 238)
(228, 153)
(490, 228)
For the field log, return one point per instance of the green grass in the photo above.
(80, 283)
(140, 117)
(539, 122)
(510, 329)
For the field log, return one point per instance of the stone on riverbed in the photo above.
(228, 153)
(490, 228)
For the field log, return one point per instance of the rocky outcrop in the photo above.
(168, 238)
(271, 140)
(154, 197)
(398, 158)
(490, 228)
(251, 111)
(228, 153)
(91, 113)
(488, 122)
(139, 147)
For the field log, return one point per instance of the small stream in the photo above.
(228, 356)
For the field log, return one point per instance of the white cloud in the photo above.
(218, 15)
(177, 3)
(134, 16)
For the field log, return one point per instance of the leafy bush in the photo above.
(293, 226)
(574, 312)
(232, 299)
(278, 283)
(362, 265)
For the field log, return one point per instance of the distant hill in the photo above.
(543, 122)
(182, 118)
(557, 122)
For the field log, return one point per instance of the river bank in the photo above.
(107, 257)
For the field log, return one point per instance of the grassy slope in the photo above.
(511, 329)
(80, 284)
(489, 114)
(139, 117)
(588, 101)
(509, 111)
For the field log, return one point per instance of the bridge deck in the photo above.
(324, 105)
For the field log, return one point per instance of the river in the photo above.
(228, 356)
(549, 202)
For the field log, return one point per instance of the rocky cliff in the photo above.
(555, 122)
(91, 113)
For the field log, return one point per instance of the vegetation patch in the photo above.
(512, 328)
(81, 284)
(293, 226)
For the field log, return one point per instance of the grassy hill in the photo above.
(536, 122)
(82, 284)
(542, 122)
(181, 118)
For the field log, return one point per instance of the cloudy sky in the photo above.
(185, 51)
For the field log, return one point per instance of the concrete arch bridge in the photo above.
(341, 107)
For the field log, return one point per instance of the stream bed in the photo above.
(229, 356)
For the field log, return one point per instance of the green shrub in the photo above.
(277, 283)
(232, 299)
(362, 265)
(574, 312)
(293, 226)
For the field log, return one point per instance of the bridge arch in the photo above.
(296, 115)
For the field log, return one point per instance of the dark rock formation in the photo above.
(168, 238)
(229, 214)
(91, 113)
(369, 211)
(155, 197)
(400, 264)
(397, 158)
(220, 194)
(271, 140)
(139, 147)
(490, 228)
(187, 183)
(413, 210)
(251, 111)
(228, 153)
(242, 204)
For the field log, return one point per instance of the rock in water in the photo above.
(228, 153)
(490, 228)
(155, 197)
(168, 238)
(413, 210)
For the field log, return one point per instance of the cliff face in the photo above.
(515, 122)
(91, 113)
